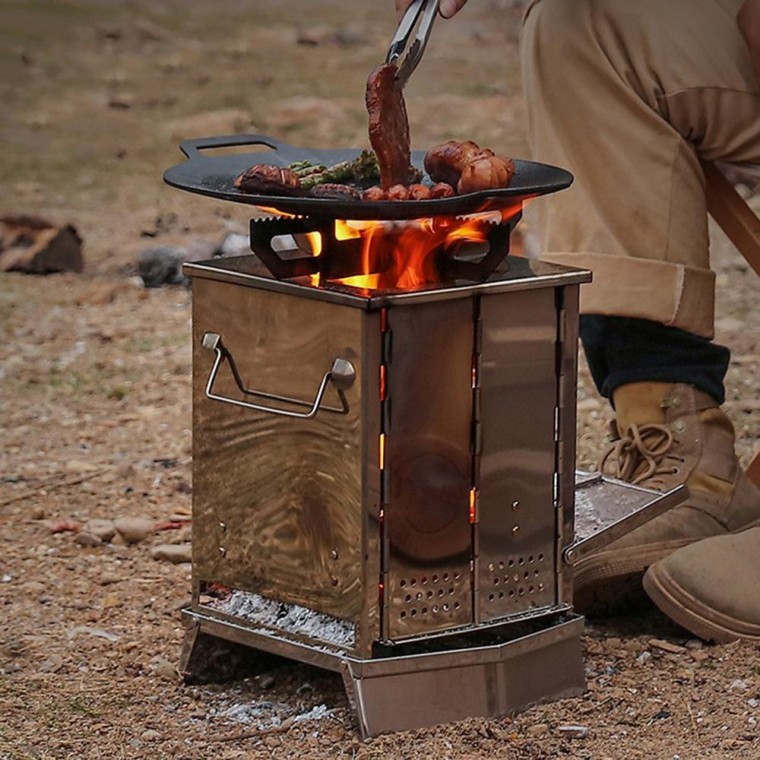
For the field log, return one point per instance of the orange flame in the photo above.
(399, 254)
(403, 254)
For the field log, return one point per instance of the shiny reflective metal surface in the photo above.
(404, 524)
(277, 501)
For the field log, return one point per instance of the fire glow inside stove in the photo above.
(383, 462)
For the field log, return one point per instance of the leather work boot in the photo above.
(665, 435)
(710, 588)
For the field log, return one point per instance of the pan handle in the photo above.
(342, 375)
(192, 148)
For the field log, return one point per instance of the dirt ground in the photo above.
(96, 374)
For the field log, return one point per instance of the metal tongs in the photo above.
(408, 44)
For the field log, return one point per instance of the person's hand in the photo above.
(749, 25)
(447, 10)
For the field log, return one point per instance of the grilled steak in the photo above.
(389, 126)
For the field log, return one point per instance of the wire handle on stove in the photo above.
(342, 375)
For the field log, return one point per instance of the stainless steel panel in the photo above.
(402, 693)
(516, 511)
(369, 625)
(566, 429)
(428, 462)
(607, 509)
(277, 501)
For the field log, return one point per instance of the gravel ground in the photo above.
(95, 406)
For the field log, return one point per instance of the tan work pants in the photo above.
(628, 95)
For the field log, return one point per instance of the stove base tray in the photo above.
(399, 693)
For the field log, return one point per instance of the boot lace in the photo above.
(643, 454)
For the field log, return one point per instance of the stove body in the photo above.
(410, 523)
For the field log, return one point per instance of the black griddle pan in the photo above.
(213, 175)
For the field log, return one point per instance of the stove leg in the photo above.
(208, 659)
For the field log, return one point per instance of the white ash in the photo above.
(288, 617)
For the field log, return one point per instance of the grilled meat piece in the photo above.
(486, 172)
(441, 190)
(374, 194)
(445, 162)
(268, 180)
(388, 126)
(335, 191)
(419, 192)
(398, 193)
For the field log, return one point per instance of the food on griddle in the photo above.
(267, 179)
(419, 192)
(486, 172)
(441, 190)
(335, 191)
(398, 193)
(444, 162)
(362, 170)
(374, 193)
(468, 167)
(389, 127)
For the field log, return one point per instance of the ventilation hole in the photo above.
(511, 592)
(423, 580)
(414, 613)
(526, 575)
(522, 560)
(424, 610)
(491, 597)
(501, 565)
(451, 591)
(430, 594)
(413, 582)
(445, 577)
(419, 595)
(516, 577)
(511, 563)
(435, 608)
(536, 573)
(531, 558)
(501, 594)
(495, 581)
(457, 576)
(530, 589)
(403, 614)
(540, 557)
(435, 579)
(446, 608)
(521, 591)
(440, 592)
(540, 586)
(491, 567)
(408, 598)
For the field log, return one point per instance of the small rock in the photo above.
(108, 578)
(538, 729)
(666, 646)
(574, 732)
(738, 685)
(174, 553)
(87, 539)
(52, 665)
(266, 681)
(34, 587)
(133, 529)
(644, 657)
(150, 735)
(162, 668)
(694, 644)
(103, 529)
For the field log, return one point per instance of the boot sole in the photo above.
(691, 614)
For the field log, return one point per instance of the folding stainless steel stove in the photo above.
(383, 465)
